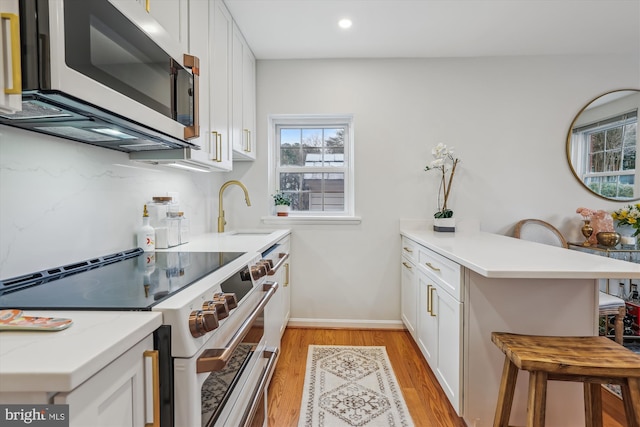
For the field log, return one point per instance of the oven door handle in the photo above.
(215, 359)
(256, 399)
(281, 261)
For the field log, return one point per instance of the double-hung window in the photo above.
(607, 155)
(312, 162)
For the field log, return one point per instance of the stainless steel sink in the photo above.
(251, 233)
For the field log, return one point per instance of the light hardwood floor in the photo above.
(427, 402)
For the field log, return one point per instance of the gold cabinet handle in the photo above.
(286, 275)
(14, 24)
(430, 289)
(218, 138)
(431, 266)
(248, 145)
(153, 355)
(147, 6)
(219, 147)
(407, 265)
(406, 249)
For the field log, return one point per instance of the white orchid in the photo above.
(443, 158)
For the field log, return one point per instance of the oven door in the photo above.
(225, 383)
(90, 50)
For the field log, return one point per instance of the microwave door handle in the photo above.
(44, 65)
(215, 359)
(193, 63)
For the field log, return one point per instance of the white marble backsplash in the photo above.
(63, 201)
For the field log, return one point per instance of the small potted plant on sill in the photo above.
(445, 162)
(282, 202)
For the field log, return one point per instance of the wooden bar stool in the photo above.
(590, 360)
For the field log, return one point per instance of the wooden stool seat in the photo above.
(590, 360)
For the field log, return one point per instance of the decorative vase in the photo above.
(587, 231)
(282, 210)
(444, 224)
(627, 239)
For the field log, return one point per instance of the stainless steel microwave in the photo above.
(92, 75)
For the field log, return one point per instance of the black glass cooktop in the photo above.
(132, 280)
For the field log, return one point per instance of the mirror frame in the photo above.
(568, 147)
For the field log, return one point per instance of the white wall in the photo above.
(507, 118)
(64, 202)
(61, 201)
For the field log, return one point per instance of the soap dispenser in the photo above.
(146, 234)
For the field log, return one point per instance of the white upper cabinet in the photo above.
(10, 74)
(214, 145)
(244, 98)
(220, 31)
(166, 22)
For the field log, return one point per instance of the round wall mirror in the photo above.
(601, 145)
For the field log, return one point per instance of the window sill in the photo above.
(306, 220)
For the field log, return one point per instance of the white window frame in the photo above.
(580, 150)
(302, 120)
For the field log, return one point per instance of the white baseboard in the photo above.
(345, 323)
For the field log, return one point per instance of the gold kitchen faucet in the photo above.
(221, 219)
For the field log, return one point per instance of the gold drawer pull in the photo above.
(408, 249)
(407, 265)
(428, 264)
(153, 355)
(431, 289)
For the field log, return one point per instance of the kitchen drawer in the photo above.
(409, 249)
(446, 271)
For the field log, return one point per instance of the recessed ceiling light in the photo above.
(345, 23)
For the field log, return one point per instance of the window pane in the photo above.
(614, 138)
(314, 191)
(597, 142)
(597, 162)
(612, 159)
(290, 148)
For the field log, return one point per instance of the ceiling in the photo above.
(294, 29)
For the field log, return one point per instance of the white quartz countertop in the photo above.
(60, 361)
(494, 255)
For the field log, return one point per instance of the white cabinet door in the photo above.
(243, 92)
(448, 317)
(427, 322)
(119, 395)
(409, 296)
(221, 28)
(165, 21)
(439, 334)
(10, 74)
(249, 101)
(286, 295)
(202, 36)
(274, 314)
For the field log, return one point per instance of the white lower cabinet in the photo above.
(121, 394)
(278, 308)
(438, 317)
(409, 296)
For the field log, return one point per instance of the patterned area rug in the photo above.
(351, 386)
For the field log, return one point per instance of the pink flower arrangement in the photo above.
(600, 221)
